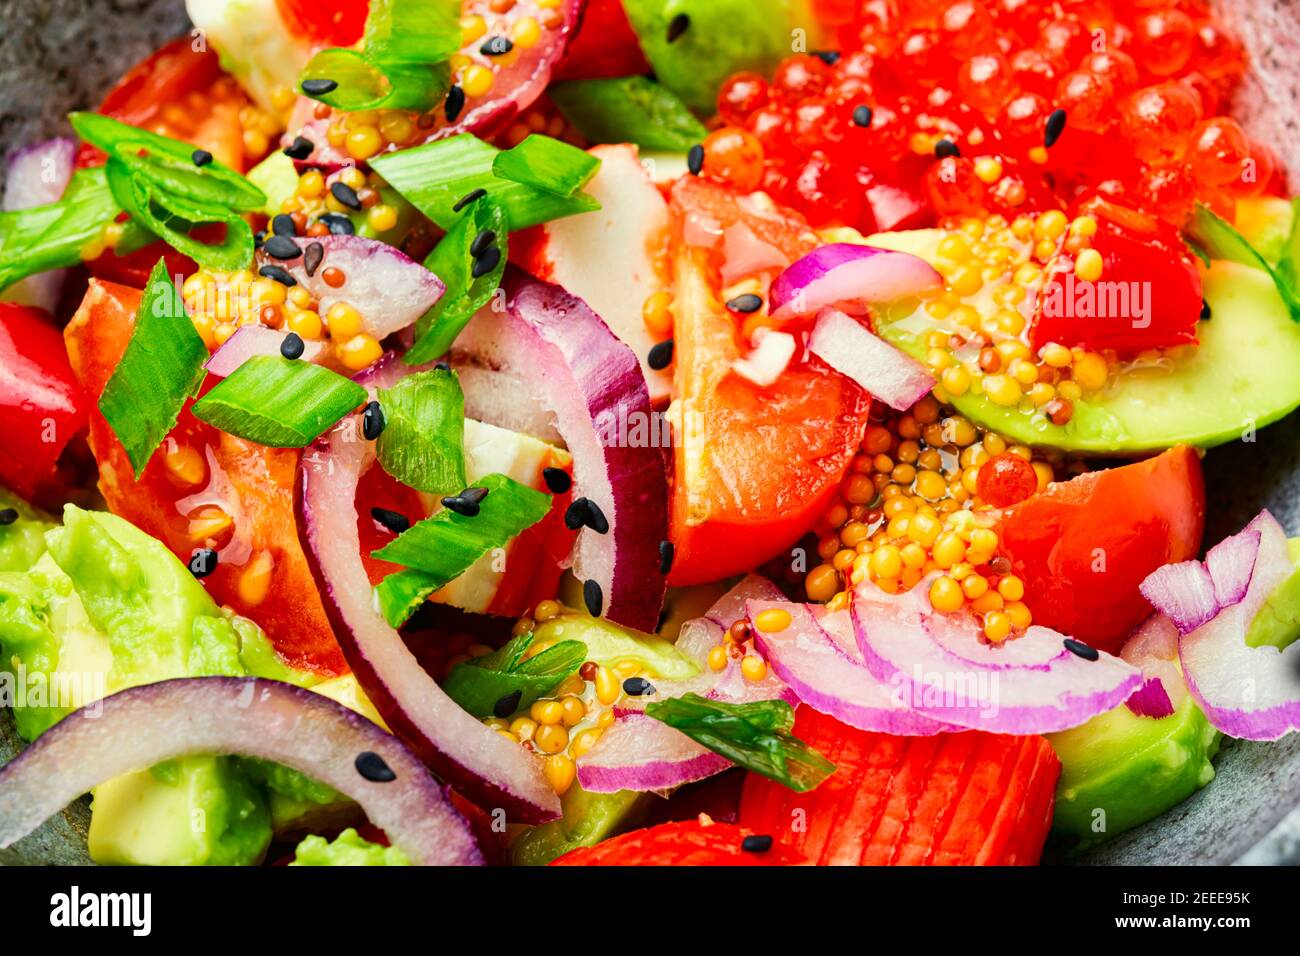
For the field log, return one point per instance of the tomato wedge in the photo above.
(205, 488)
(337, 23)
(604, 46)
(687, 843)
(952, 799)
(753, 467)
(1083, 546)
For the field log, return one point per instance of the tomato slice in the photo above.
(604, 46)
(325, 22)
(205, 488)
(753, 467)
(42, 405)
(1083, 546)
(688, 843)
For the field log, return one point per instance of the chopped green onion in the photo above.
(453, 262)
(1220, 240)
(547, 164)
(439, 549)
(161, 367)
(1288, 264)
(435, 177)
(479, 684)
(423, 441)
(279, 402)
(755, 736)
(628, 109)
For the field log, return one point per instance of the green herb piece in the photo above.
(478, 684)
(452, 261)
(279, 402)
(161, 367)
(435, 177)
(628, 109)
(423, 441)
(439, 549)
(547, 164)
(755, 736)
(402, 63)
(1220, 240)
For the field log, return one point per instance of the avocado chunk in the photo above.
(277, 177)
(694, 45)
(588, 819)
(1278, 621)
(1241, 377)
(609, 644)
(22, 541)
(1119, 770)
(349, 848)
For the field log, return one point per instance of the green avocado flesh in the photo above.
(588, 819)
(1244, 374)
(610, 645)
(1119, 770)
(349, 848)
(1278, 622)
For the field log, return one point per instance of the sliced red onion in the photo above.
(1153, 649)
(252, 340)
(1031, 684)
(578, 370)
(1247, 692)
(1184, 592)
(843, 272)
(640, 753)
(147, 725)
(846, 345)
(478, 762)
(389, 289)
(37, 175)
(302, 122)
(768, 360)
(1230, 564)
(1151, 699)
(502, 398)
(819, 659)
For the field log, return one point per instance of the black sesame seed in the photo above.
(557, 479)
(283, 225)
(300, 148)
(677, 26)
(346, 195)
(292, 346)
(203, 562)
(660, 355)
(1054, 127)
(695, 159)
(279, 274)
(756, 843)
(484, 264)
(259, 237)
(338, 224)
(372, 421)
(666, 552)
(461, 506)
(829, 57)
(596, 519)
(311, 259)
(945, 148)
(575, 516)
(475, 494)
(454, 103)
(637, 687)
(862, 116)
(201, 157)
(1080, 649)
(471, 196)
(481, 242)
(392, 520)
(319, 87)
(508, 704)
(282, 247)
(442, 366)
(593, 597)
(496, 46)
(749, 302)
(8, 516)
(1205, 310)
(374, 768)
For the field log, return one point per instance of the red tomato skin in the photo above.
(42, 406)
(326, 22)
(604, 45)
(1083, 546)
(687, 843)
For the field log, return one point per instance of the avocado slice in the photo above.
(1278, 621)
(1242, 376)
(349, 848)
(22, 541)
(1119, 770)
(609, 644)
(588, 819)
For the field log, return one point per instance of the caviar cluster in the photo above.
(958, 108)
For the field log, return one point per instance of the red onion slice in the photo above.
(38, 175)
(642, 753)
(389, 289)
(1230, 564)
(1247, 692)
(1153, 649)
(1184, 592)
(152, 723)
(1151, 699)
(846, 345)
(843, 272)
(1031, 684)
(770, 357)
(820, 661)
(477, 761)
(252, 340)
(577, 369)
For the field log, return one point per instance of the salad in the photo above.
(643, 432)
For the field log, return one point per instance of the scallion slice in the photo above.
(628, 109)
(547, 164)
(423, 441)
(481, 684)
